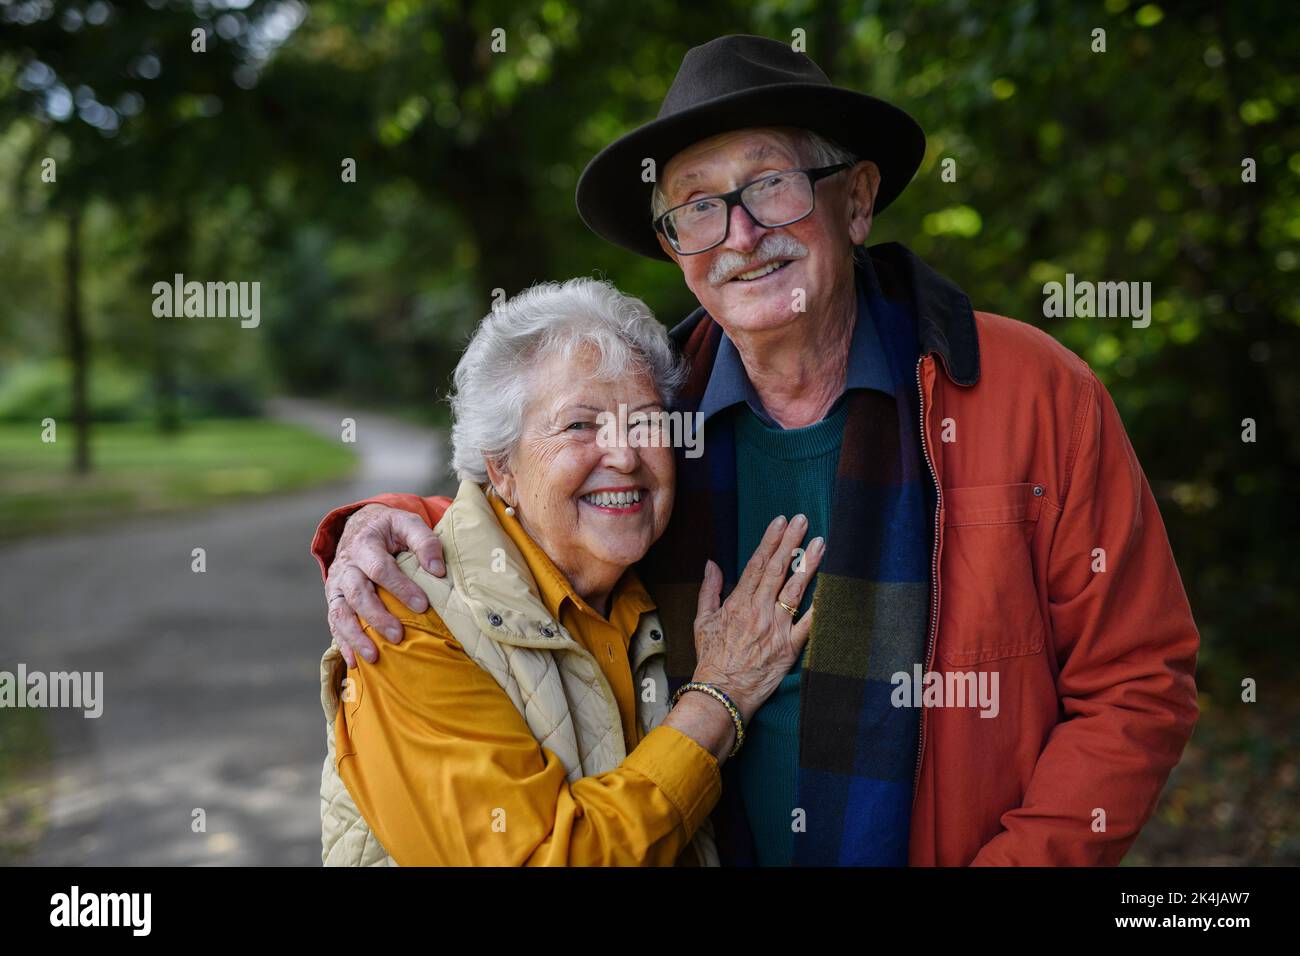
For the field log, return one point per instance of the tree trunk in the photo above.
(828, 37)
(168, 248)
(77, 351)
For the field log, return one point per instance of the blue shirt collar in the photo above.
(868, 367)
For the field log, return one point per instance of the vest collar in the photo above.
(492, 576)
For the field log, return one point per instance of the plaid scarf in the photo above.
(857, 752)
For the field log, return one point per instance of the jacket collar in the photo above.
(500, 588)
(945, 322)
(492, 576)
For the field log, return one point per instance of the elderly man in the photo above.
(1002, 655)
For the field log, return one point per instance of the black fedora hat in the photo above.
(736, 82)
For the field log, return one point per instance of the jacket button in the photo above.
(547, 631)
(1038, 491)
(494, 618)
(656, 636)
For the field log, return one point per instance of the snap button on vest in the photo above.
(656, 636)
(1038, 491)
(548, 631)
(494, 618)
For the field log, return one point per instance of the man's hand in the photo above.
(364, 559)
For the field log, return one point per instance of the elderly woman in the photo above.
(525, 717)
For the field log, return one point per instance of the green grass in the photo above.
(137, 470)
(24, 756)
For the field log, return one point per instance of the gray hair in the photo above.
(493, 380)
(818, 150)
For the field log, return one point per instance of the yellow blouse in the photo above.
(446, 772)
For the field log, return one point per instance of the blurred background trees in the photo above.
(1122, 165)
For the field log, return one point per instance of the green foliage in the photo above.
(32, 391)
(1123, 165)
(119, 392)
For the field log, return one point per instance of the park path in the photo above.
(211, 695)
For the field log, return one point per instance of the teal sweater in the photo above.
(779, 472)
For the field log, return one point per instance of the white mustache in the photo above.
(775, 245)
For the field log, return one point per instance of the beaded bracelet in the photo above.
(721, 697)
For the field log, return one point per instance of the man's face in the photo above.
(814, 255)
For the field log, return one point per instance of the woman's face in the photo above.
(593, 498)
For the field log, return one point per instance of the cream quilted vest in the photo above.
(490, 604)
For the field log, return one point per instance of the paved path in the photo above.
(210, 680)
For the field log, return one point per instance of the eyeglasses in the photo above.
(777, 200)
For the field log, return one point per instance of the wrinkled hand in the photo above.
(364, 558)
(749, 642)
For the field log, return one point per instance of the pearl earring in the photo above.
(510, 510)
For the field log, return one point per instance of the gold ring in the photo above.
(792, 611)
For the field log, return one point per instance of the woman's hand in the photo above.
(746, 645)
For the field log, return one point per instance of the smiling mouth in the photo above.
(761, 271)
(621, 501)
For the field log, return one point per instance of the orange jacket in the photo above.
(1047, 531)
(436, 747)
(1052, 568)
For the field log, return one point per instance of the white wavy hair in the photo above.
(494, 380)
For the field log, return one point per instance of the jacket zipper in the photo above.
(934, 572)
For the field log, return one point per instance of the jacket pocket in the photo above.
(989, 605)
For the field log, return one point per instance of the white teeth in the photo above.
(613, 499)
(760, 272)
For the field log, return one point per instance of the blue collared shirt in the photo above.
(868, 367)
